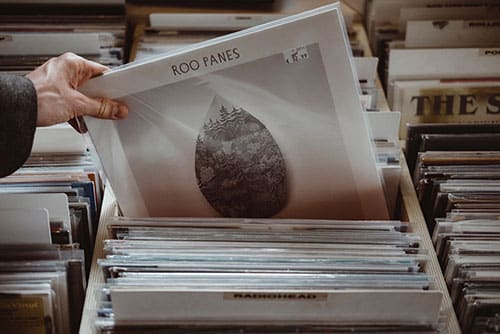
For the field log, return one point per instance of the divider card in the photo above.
(25, 226)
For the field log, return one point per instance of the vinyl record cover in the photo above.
(265, 122)
(447, 101)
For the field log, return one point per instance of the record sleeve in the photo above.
(265, 122)
(446, 101)
(27, 311)
(460, 142)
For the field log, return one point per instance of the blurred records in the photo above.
(438, 59)
(447, 101)
(457, 178)
(257, 275)
(49, 210)
(223, 111)
(31, 32)
(170, 31)
(42, 288)
(421, 24)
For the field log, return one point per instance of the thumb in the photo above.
(102, 108)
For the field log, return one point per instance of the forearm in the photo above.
(18, 117)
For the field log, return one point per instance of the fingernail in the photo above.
(115, 112)
(122, 112)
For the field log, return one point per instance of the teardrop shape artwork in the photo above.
(239, 166)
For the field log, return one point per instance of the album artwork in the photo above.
(247, 125)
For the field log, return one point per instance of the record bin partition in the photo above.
(358, 27)
(410, 211)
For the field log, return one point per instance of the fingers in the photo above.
(100, 108)
(78, 69)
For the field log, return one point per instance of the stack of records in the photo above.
(61, 187)
(442, 155)
(49, 212)
(42, 288)
(457, 176)
(33, 31)
(279, 276)
(171, 31)
(438, 58)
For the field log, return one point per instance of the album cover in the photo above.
(42, 289)
(27, 310)
(253, 124)
(446, 101)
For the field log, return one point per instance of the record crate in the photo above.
(410, 212)
(408, 204)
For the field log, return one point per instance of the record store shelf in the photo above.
(410, 212)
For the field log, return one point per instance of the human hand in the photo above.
(56, 82)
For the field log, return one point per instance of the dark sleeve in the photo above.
(18, 114)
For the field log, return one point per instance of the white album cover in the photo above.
(265, 122)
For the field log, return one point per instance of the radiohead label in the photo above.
(277, 296)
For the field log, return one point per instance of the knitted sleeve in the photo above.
(18, 115)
